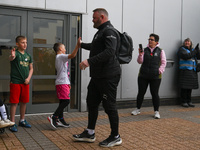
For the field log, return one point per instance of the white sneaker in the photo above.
(8, 121)
(3, 124)
(157, 115)
(135, 112)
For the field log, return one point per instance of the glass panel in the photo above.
(4, 61)
(44, 91)
(44, 61)
(9, 28)
(46, 31)
(5, 90)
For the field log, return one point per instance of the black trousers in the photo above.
(154, 85)
(105, 91)
(62, 104)
(186, 95)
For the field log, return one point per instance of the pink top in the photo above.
(162, 57)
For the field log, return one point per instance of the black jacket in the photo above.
(102, 59)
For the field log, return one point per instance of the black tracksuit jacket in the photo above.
(102, 59)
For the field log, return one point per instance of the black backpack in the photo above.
(124, 47)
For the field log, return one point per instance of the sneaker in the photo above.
(190, 104)
(157, 115)
(53, 120)
(10, 122)
(84, 137)
(111, 141)
(185, 105)
(62, 123)
(24, 124)
(4, 124)
(13, 128)
(135, 112)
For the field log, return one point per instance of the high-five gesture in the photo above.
(12, 56)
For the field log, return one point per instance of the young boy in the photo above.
(62, 83)
(21, 72)
(4, 121)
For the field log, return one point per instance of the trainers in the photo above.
(24, 124)
(13, 128)
(10, 122)
(111, 141)
(157, 115)
(185, 105)
(190, 104)
(61, 122)
(4, 124)
(84, 137)
(53, 120)
(135, 112)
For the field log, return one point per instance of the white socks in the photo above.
(90, 131)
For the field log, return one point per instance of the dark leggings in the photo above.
(62, 104)
(186, 95)
(154, 88)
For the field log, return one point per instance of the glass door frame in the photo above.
(25, 29)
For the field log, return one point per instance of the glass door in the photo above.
(12, 24)
(47, 29)
(42, 31)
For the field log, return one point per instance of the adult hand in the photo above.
(84, 64)
(141, 52)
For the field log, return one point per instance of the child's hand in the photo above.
(13, 52)
(79, 42)
(12, 55)
(26, 81)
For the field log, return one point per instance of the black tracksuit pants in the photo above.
(105, 91)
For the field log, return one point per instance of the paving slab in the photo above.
(178, 129)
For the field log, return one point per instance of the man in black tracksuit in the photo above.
(105, 74)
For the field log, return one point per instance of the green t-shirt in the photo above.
(20, 67)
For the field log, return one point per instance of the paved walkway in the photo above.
(178, 129)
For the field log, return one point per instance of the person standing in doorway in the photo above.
(21, 73)
(153, 62)
(105, 74)
(187, 75)
(62, 83)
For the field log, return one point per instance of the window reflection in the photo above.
(5, 90)
(44, 61)
(44, 91)
(10, 27)
(46, 31)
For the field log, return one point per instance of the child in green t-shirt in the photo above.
(21, 73)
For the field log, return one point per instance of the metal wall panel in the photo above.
(168, 27)
(115, 16)
(138, 23)
(78, 6)
(191, 25)
(36, 4)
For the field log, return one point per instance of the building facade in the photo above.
(45, 22)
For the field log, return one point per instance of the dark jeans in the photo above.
(105, 91)
(186, 95)
(62, 104)
(154, 85)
